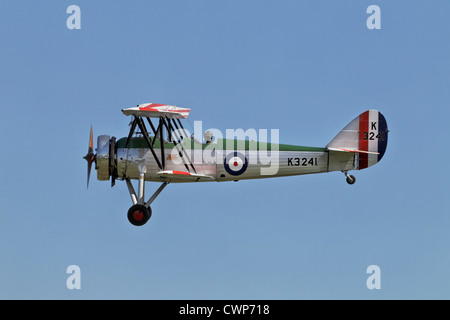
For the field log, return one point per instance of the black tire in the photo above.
(351, 179)
(138, 215)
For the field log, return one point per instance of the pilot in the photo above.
(208, 136)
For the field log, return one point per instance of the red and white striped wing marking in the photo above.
(156, 110)
(183, 175)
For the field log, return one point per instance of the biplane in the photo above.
(159, 149)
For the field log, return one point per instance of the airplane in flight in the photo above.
(167, 154)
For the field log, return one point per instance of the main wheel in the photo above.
(138, 214)
(351, 179)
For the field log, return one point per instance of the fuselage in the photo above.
(226, 160)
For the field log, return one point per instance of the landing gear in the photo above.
(138, 215)
(141, 212)
(350, 179)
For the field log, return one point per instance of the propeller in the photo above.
(90, 157)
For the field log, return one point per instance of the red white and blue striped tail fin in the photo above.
(366, 135)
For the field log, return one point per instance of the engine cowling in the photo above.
(106, 163)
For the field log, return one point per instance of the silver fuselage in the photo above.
(220, 163)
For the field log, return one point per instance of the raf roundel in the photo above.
(235, 163)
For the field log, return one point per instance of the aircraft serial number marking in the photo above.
(371, 135)
(302, 162)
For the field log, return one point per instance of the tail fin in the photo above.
(366, 136)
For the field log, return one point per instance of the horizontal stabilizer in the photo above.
(183, 176)
(352, 150)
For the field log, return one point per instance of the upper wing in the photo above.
(156, 110)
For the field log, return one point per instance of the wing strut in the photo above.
(176, 137)
(133, 127)
(163, 157)
(180, 138)
(147, 139)
(138, 122)
(172, 135)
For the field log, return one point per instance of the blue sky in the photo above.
(306, 68)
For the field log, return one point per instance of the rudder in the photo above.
(366, 136)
